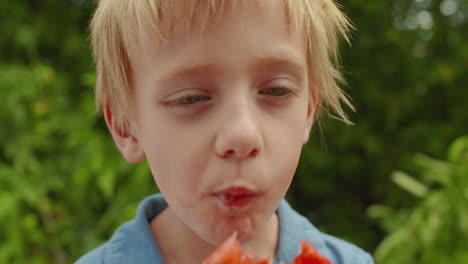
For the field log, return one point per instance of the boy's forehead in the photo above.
(182, 36)
(194, 19)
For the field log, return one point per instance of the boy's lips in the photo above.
(236, 196)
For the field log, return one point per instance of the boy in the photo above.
(219, 97)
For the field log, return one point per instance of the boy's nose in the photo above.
(240, 136)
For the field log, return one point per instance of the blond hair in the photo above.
(117, 26)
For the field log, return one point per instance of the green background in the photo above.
(395, 183)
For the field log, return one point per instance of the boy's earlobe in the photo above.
(125, 140)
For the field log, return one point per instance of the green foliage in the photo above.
(64, 188)
(406, 73)
(61, 177)
(435, 228)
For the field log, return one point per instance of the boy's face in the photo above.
(222, 117)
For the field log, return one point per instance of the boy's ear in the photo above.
(312, 106)
(125, 140)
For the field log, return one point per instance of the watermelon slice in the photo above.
(310, 255)
(230, 252)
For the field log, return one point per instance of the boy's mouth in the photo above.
(236, 196)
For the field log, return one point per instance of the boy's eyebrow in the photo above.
(293, 64)
(189, 71)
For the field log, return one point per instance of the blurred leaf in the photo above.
(458, 151)
(408, 183)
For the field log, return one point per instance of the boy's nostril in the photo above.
(254, 153)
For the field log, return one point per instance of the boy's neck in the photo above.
(178, 244)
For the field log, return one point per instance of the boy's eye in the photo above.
(276, 91)
(192, 99)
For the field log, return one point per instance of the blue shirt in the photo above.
(133, 243)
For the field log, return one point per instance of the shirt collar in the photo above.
(293, 228)
(133, 241)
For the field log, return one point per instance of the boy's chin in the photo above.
(220, 237)
(245, 232)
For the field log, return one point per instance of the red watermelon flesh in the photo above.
(230, 252)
